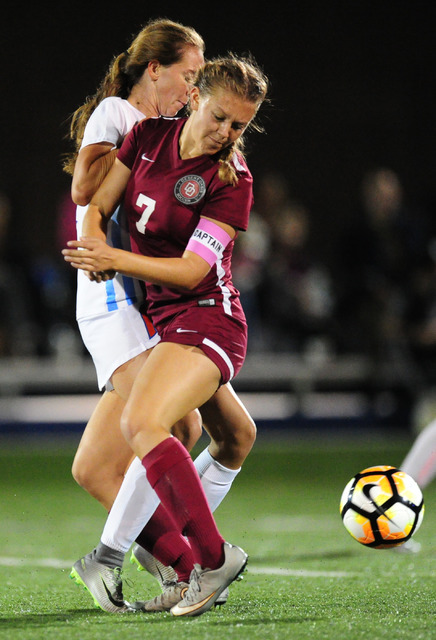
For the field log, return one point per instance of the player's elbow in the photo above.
(192, 283)
(81, 195)
(194, 270)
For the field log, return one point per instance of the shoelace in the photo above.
(194, 583)
(167, 584)
(163, 597)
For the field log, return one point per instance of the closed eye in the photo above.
(236, 126)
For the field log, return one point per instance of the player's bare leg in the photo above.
(103, 455)
(176, 379)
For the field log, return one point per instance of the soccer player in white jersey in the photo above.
(152, 77)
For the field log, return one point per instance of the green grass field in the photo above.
(307, 578)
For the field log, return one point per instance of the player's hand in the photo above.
(92, 255)
(100, 276)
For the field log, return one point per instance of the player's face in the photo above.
(174, 82)
(219, 120)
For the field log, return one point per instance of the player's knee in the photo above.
(232, 448)
(245, 436)
(129, 427)
(83, 473)
(189, 429)
(101, 482)
(133, 422)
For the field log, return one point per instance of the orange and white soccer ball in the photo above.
(382, 507)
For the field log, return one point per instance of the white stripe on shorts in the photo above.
(222, 353)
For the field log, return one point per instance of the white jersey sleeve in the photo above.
(110, 122)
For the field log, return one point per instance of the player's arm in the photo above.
(105, 201)
(92, 165)
(206, 244)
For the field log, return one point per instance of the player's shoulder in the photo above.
(155, 132)
(112, 103)
(111, 109)
(159, 123)
(116, 107)
(240, 164)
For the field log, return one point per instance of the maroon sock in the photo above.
(172, 475)
(163, 540)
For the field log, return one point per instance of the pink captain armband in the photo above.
(208, 241)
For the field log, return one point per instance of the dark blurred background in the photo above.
(338, 267)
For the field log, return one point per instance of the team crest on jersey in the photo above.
(190, 189)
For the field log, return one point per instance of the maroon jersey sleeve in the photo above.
(231, 204)
(129, 148)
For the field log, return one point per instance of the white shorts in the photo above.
(115, 337)
(112, 328)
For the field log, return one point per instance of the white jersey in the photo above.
(111, 325)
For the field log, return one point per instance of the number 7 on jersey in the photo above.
(149, 205)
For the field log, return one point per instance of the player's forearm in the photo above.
(184, 273)
(88, 179)
(94, 223)
(94, 255)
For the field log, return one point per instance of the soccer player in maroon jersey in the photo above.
(187, 193)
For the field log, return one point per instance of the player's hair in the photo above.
(243, 77)
(161, 39)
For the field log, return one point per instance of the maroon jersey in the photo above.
(164, 200)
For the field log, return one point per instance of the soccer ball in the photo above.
(382, 507)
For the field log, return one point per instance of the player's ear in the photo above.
(153, 69)
(194, 99)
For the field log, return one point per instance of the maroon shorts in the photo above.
(223, 338)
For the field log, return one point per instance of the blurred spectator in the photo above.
(377, 261)
(295, 289)
(420, 316)
(252, 253)
(19, 334)
(56, 284)
(250, 256)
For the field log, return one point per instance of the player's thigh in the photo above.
(102, 444)
(174, 381)
(123, 378)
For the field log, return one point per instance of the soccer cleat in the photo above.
(172, 593)
(164, 575)
(103, 583)
(146, 562)
(222, 598)
(206, 585)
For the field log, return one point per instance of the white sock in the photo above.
(133, 507)
(137, 501)
(420, 462)
(215, 478)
